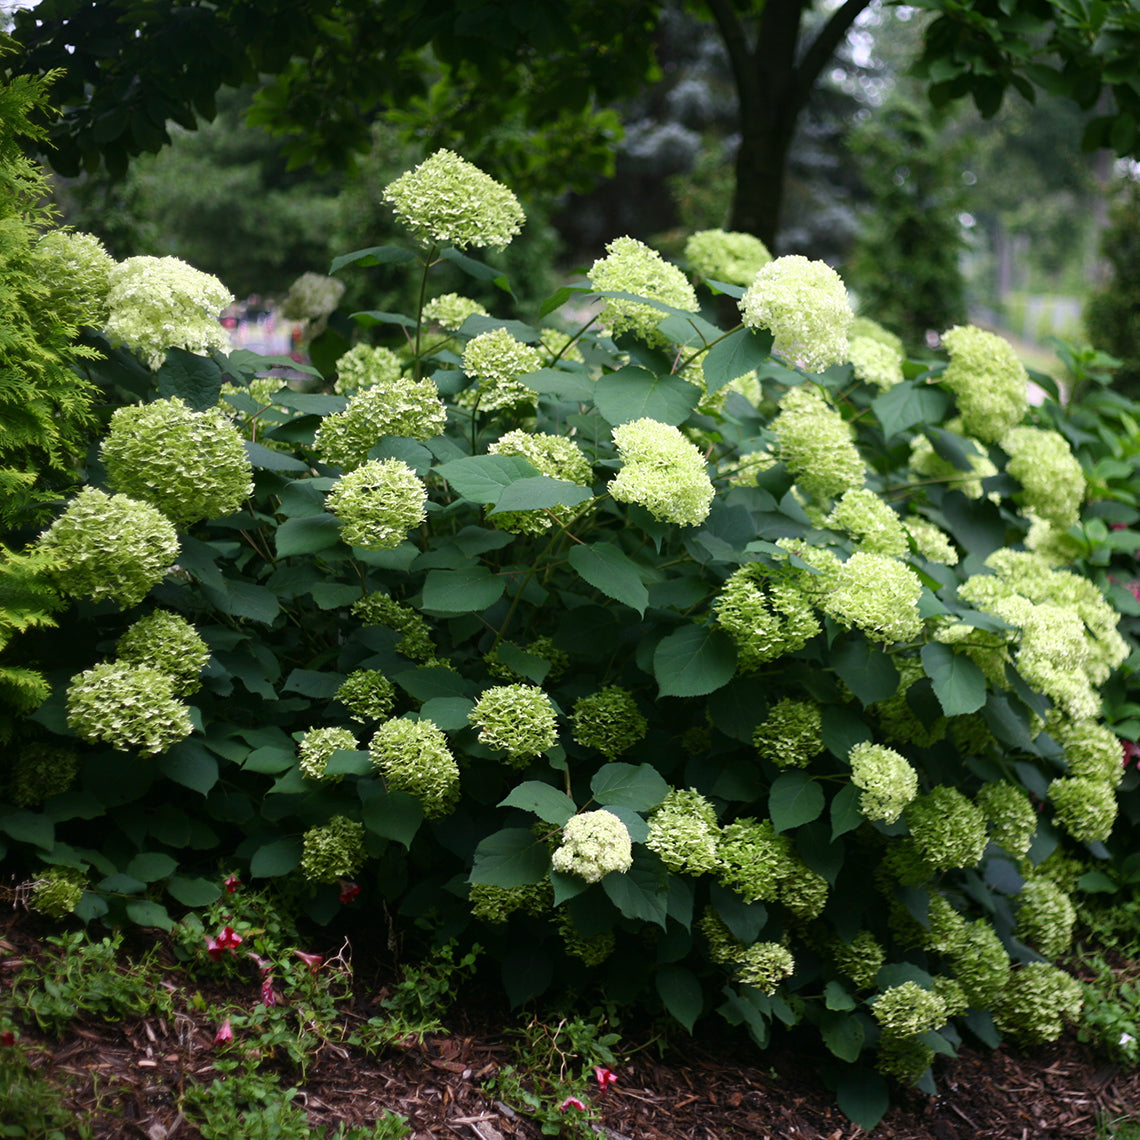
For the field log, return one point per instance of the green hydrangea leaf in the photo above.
(513, 857)
(483, 478)
(150, 866)
(195, 380)
(143, 912)
(863, 1097)
(538, 492)
(546, 802)
(608, 569)
(393, 815)
(472, 589)
(632, 393)
(910, 403)
(189, 764)
(193, 891)
(307, 535)
(694, 661)
(639, 788)
(640, 893)
(958, 683)
(866, 670)
(843, 1034)
(795, 799)
(680, 993)
(280, 857)
(736, 355)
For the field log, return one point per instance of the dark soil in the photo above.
(124, 1080)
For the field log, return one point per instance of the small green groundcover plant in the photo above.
(754, 673)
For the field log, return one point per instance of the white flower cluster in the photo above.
(77, 271)
(1052, 480)
(988, 381)
(875, 362)
(765, 618)
(315, 749)
(378, 503)
(128, 707)
(887, 781)
(364, 365)
(334, 851)
(594, 844)
(684, 833)
(496, 360)
(312, 297)
(169, 643)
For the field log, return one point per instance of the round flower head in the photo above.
(860, 959)
(661, 471)
(630, 266)
(1011, 816)
(552, 455)
(1052, 481)
(450, 310)
(191, 465)
(608, 721)
(864, 326)
(888, 782)
(791, 734)
(413, 757)
(1091, 750)
(947, 829)
(57, 892)
(77, 271)
(930, 542)
(367, 694)
(684, 834)
(401, 406)
(988, 382)
(449, 201)
(415, 641)
(364, 365)
(764, 965)
(378, 503)
(804, 305)
(495, 360)
(334, 851)
(158, 303)
(316, 747)
(725, 255)
(907, 1010)
(516, 719)
(1037, 1002)
(753, 859)
(127, 707)
(814, 443)
(38, 772)
(110, 546)
(594, 843)
(875, 362)
(312, 297)
(870, 521)
(168, 643)
(766, 619)
(1085, 808)
(803, 891)
(1045, 917)
(877, 594)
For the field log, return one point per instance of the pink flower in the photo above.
(225, 1033)
(571, 1102)
(268, 994)
(1131, 751)
(348, 891)
(232, 884)
(605, 1077)
(313, 961)
(228, 939)
(263, 964)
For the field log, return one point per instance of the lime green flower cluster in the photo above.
(1011, 816)
(367, 694)
(333, 851)
(804, 305)
(191, 465)
(517, 719)
(1037, 1002)
(930, 541)
(400, 406)
(1085, 808)
(364, 365)
(661, 471)
(378, 503)
(127, 707)
(594, 844)
(765, 619)
(764, 965)
(1092, 750)
(592, 950)
(791, 735)
(57, 891)
(684, 833)
(925, 461)
(1045, 917)
(875, 362)
(875, 527)
(496, 904)
(988, 381)
(315, 749)
(887, 781)
(312, 297)
(415, 641)
(169, 643)
(413, 756)
(158, 303)
(980, 963)
(947, 829)
(40, 771)
(860, 959)
(496, 360)
(76, 270)
(608, 721)
(109, 546)
(726, 255)
(877, 594)
(1053, 482)
(449, 201)
(551, 455)
(814, 443)
(450, 310)
(630, 266)
(754, 859)
(908, 1010)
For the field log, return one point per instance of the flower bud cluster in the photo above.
(875, 527)
(877, 594)
(860, 959)
(38, 772)
(415, 641)
(1037, 1002)
(127, 707)
(988, 381)
(450, 310)
(364, 365)
(169, 643)
(378, 503)
(333, 851)
(930, 541)
(57, 892)
(608, 721)
(594, 844)
(1052, 480)
(496, 904)
(1010, 814)
(517, 719)
(592, 950)
(875, 362)
(1045, 917)
(947, 829)
(312, 297)
(413, 756)
(661, 471)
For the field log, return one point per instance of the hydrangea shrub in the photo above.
(664, 664)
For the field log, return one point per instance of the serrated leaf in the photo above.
(393, 815)
(189, 764)
(959, 684)
(193, 891)
(196, 380)
(633, 393)
(143, 912)
(624, 785)
(280, 857)
(473, 589)
(736, 355)
(150, 866)
(845, 813)
(681, 994)
(639, 893)
(541, 799)
(266, 459)
(866, 670)
(694, 661)
(348, 762)
(573, 386)
(307, 535)
(607, 568)
(863, 1097)
(513, 857)
(795, 799)
(538, 492)
(447, 713)
(483, 478)
(912, 402)
(843, 1034)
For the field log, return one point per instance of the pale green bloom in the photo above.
(1037, 1002)
(450, 310)
(803, 891)
(400, 407)
(930, 541)
(378, 503)
(804, 305)
(907, 1010)
(594, 950)
(415, 641)
(1085, 808)
(791, 734)
(947, 829)
(169, 643)
(608, 721)
(110, 546)
(316, 747)
(57, 891)
(988, 382)
(952, 995)
(594, 843)
(414, 757)
(516, 719)
(925, 461)
(948, 929)
(980, 964)
(630, 266)
(496, 360)
(1011, 816)
(905, 1059)
(723, 946)
(764, 965)
(684, 834)
(754, 859)
(312, 297)
(661, 471)
(38, 772)
(875, 362)
(860, 959)
(551, 455)
(726, 255)
(334, 851)
(874, 526)
(496, 904)
(888, 782)
(1052, 480)
(1092, 750)
(866, 327)
(1045, 917)
(77, 272)
(449, 201)
(191, 465)
(367, 694)
(127, 707)
(364, 365)
(815, 444)
(158, 303)
(877, 594)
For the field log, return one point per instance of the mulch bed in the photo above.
(124, 1080)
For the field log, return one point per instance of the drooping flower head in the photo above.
(413, 756)
(804, 305)
(516, 719)
(496, 360)
(907, 1010)
(315, 749)
(815, 444)
(334, 851)
(753, 859)
(661, 471)
(1085, 808)
(887, 781)
(684, 833)
(1037, 1002)
(988, 381)
(364, 365)
(551, 455)
(1010, 814)
(158, 303)
(765, 618)
(378, 503)
(630, 266)
(449, 201)
(169, 643)
(764, 965)
(191, 465)
(110, 546)
(875, 362)
(77, 271)
(726, 255)
(128, 707)
(594, 843)
(1053, 482)
(608, 721)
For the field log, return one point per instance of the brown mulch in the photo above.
(125, 1081)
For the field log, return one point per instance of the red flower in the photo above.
(348, 891)
(228, 939)
(225, 1032)
(605, 1077)
(1131, 751)
(8, 1038)
(313, 961)
(571, 1102)
(232, 884)
(263, 964)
